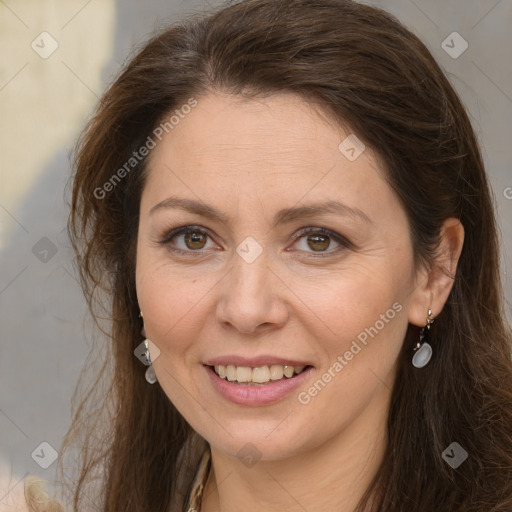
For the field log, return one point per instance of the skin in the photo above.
(249, 159)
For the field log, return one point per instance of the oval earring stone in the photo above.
(422, 356)
(150, 375)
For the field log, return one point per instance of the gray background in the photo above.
(44, 332)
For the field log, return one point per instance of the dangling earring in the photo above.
(150, 371)
(423, 351)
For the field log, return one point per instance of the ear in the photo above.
(433, 285)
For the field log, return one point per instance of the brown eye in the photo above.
(318, 242)
(186, 239)
(195, 240)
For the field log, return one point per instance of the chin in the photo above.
(262, 440)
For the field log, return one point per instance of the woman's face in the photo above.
(248, 288)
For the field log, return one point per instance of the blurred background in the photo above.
(56, 59)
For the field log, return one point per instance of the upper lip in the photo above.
(253, 362)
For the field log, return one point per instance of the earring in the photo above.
(150, 371)
(423, 349)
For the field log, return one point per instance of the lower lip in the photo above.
(244, 394)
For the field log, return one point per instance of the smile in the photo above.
(256, 385)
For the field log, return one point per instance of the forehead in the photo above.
(278, 149)
(282, 128)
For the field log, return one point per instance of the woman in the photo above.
(283, 208)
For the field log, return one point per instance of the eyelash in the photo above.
(344, 243)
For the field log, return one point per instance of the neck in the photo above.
(332, 476)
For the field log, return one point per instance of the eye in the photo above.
(193, 239)
(319, 240)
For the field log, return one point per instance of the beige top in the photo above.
(196, 495)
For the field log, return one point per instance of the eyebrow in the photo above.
(283, 216)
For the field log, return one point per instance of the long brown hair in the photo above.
(367, 70)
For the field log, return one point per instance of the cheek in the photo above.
(174, 314)
(361, 340)
(363, 319)
(174, 301)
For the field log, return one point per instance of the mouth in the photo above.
(258, 375)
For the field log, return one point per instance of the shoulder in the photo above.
(25, 494)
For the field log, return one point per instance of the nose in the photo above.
(253, 297)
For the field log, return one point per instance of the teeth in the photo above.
(276, 372)
(231, 372)
(243, 374)
(261, 374)
(258, 375)
(288, 371)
